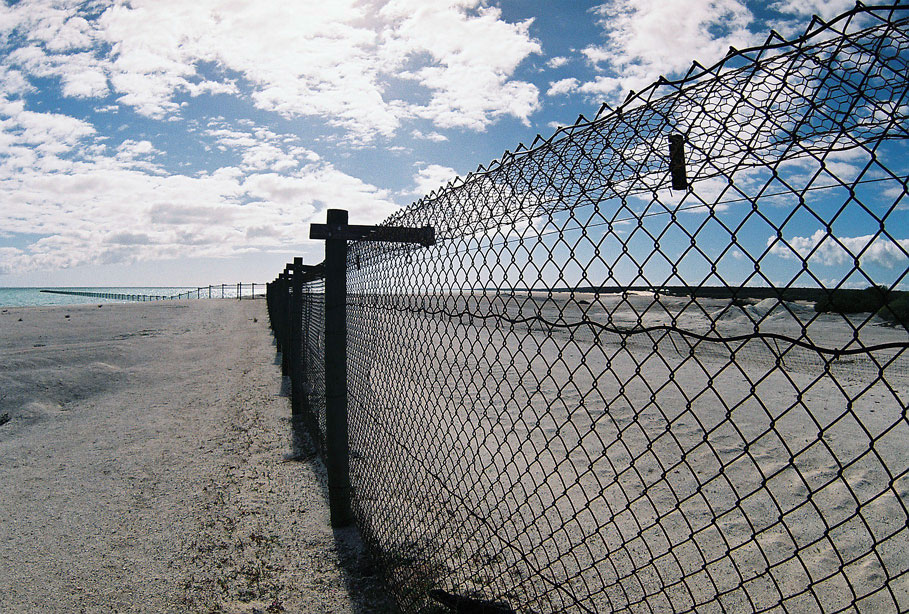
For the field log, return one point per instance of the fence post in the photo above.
(336, 233)
(279, 316)
(336, 441)
(285, 306)
(296, 339)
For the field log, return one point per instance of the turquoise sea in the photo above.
(20, 297)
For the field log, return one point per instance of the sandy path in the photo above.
(148, 465)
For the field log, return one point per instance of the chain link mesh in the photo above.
(314, 358)
(598, 394)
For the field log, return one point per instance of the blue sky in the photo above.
(174, 142)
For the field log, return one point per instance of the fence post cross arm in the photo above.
(425, 236)
(312, 272)
(336, 232)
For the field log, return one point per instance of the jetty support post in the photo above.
(336, 233)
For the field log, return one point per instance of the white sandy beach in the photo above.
(638, 472)
(148, 465)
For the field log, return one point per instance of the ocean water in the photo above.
(21, 297)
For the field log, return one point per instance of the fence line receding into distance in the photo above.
(630, 375)
(238, 291)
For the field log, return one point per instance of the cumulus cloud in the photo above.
(430, 136)
(91, 203)
(562, 87)
(103, 195)
(85, 220)
(473, 54)
(28, 138)
(12, 82)
(648, 38)
(431, 177)
(82, 75)
(823, 8)
(330, 60)
(261, 149)
(824, 249)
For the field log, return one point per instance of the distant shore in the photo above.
(31, 297)
(86, 295)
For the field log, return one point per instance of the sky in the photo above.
(181, 143)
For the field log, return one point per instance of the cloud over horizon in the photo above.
(148, 129)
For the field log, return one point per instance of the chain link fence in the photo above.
(630, 379)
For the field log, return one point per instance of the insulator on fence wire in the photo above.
(599, 391)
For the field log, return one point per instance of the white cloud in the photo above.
(648, 38)
(823, 8)
(85, 219)
(261, 149)
(562, 87)
(45, 132)
(831, 251)
(310, 58)
(82, 75)
(132, 149)
(132, 154)
(94, 204)
(212, 87)
(54, 24)
(431, 177)
(431, 136)
(473, 54)
(557, 61)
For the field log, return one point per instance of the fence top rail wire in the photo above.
(650, 115)
(750, 56)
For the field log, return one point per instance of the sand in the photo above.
(576, 469)
(149, 465)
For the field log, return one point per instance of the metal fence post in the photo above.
(336, 441)
(336, 233)
(286, 344)
(296, 339)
